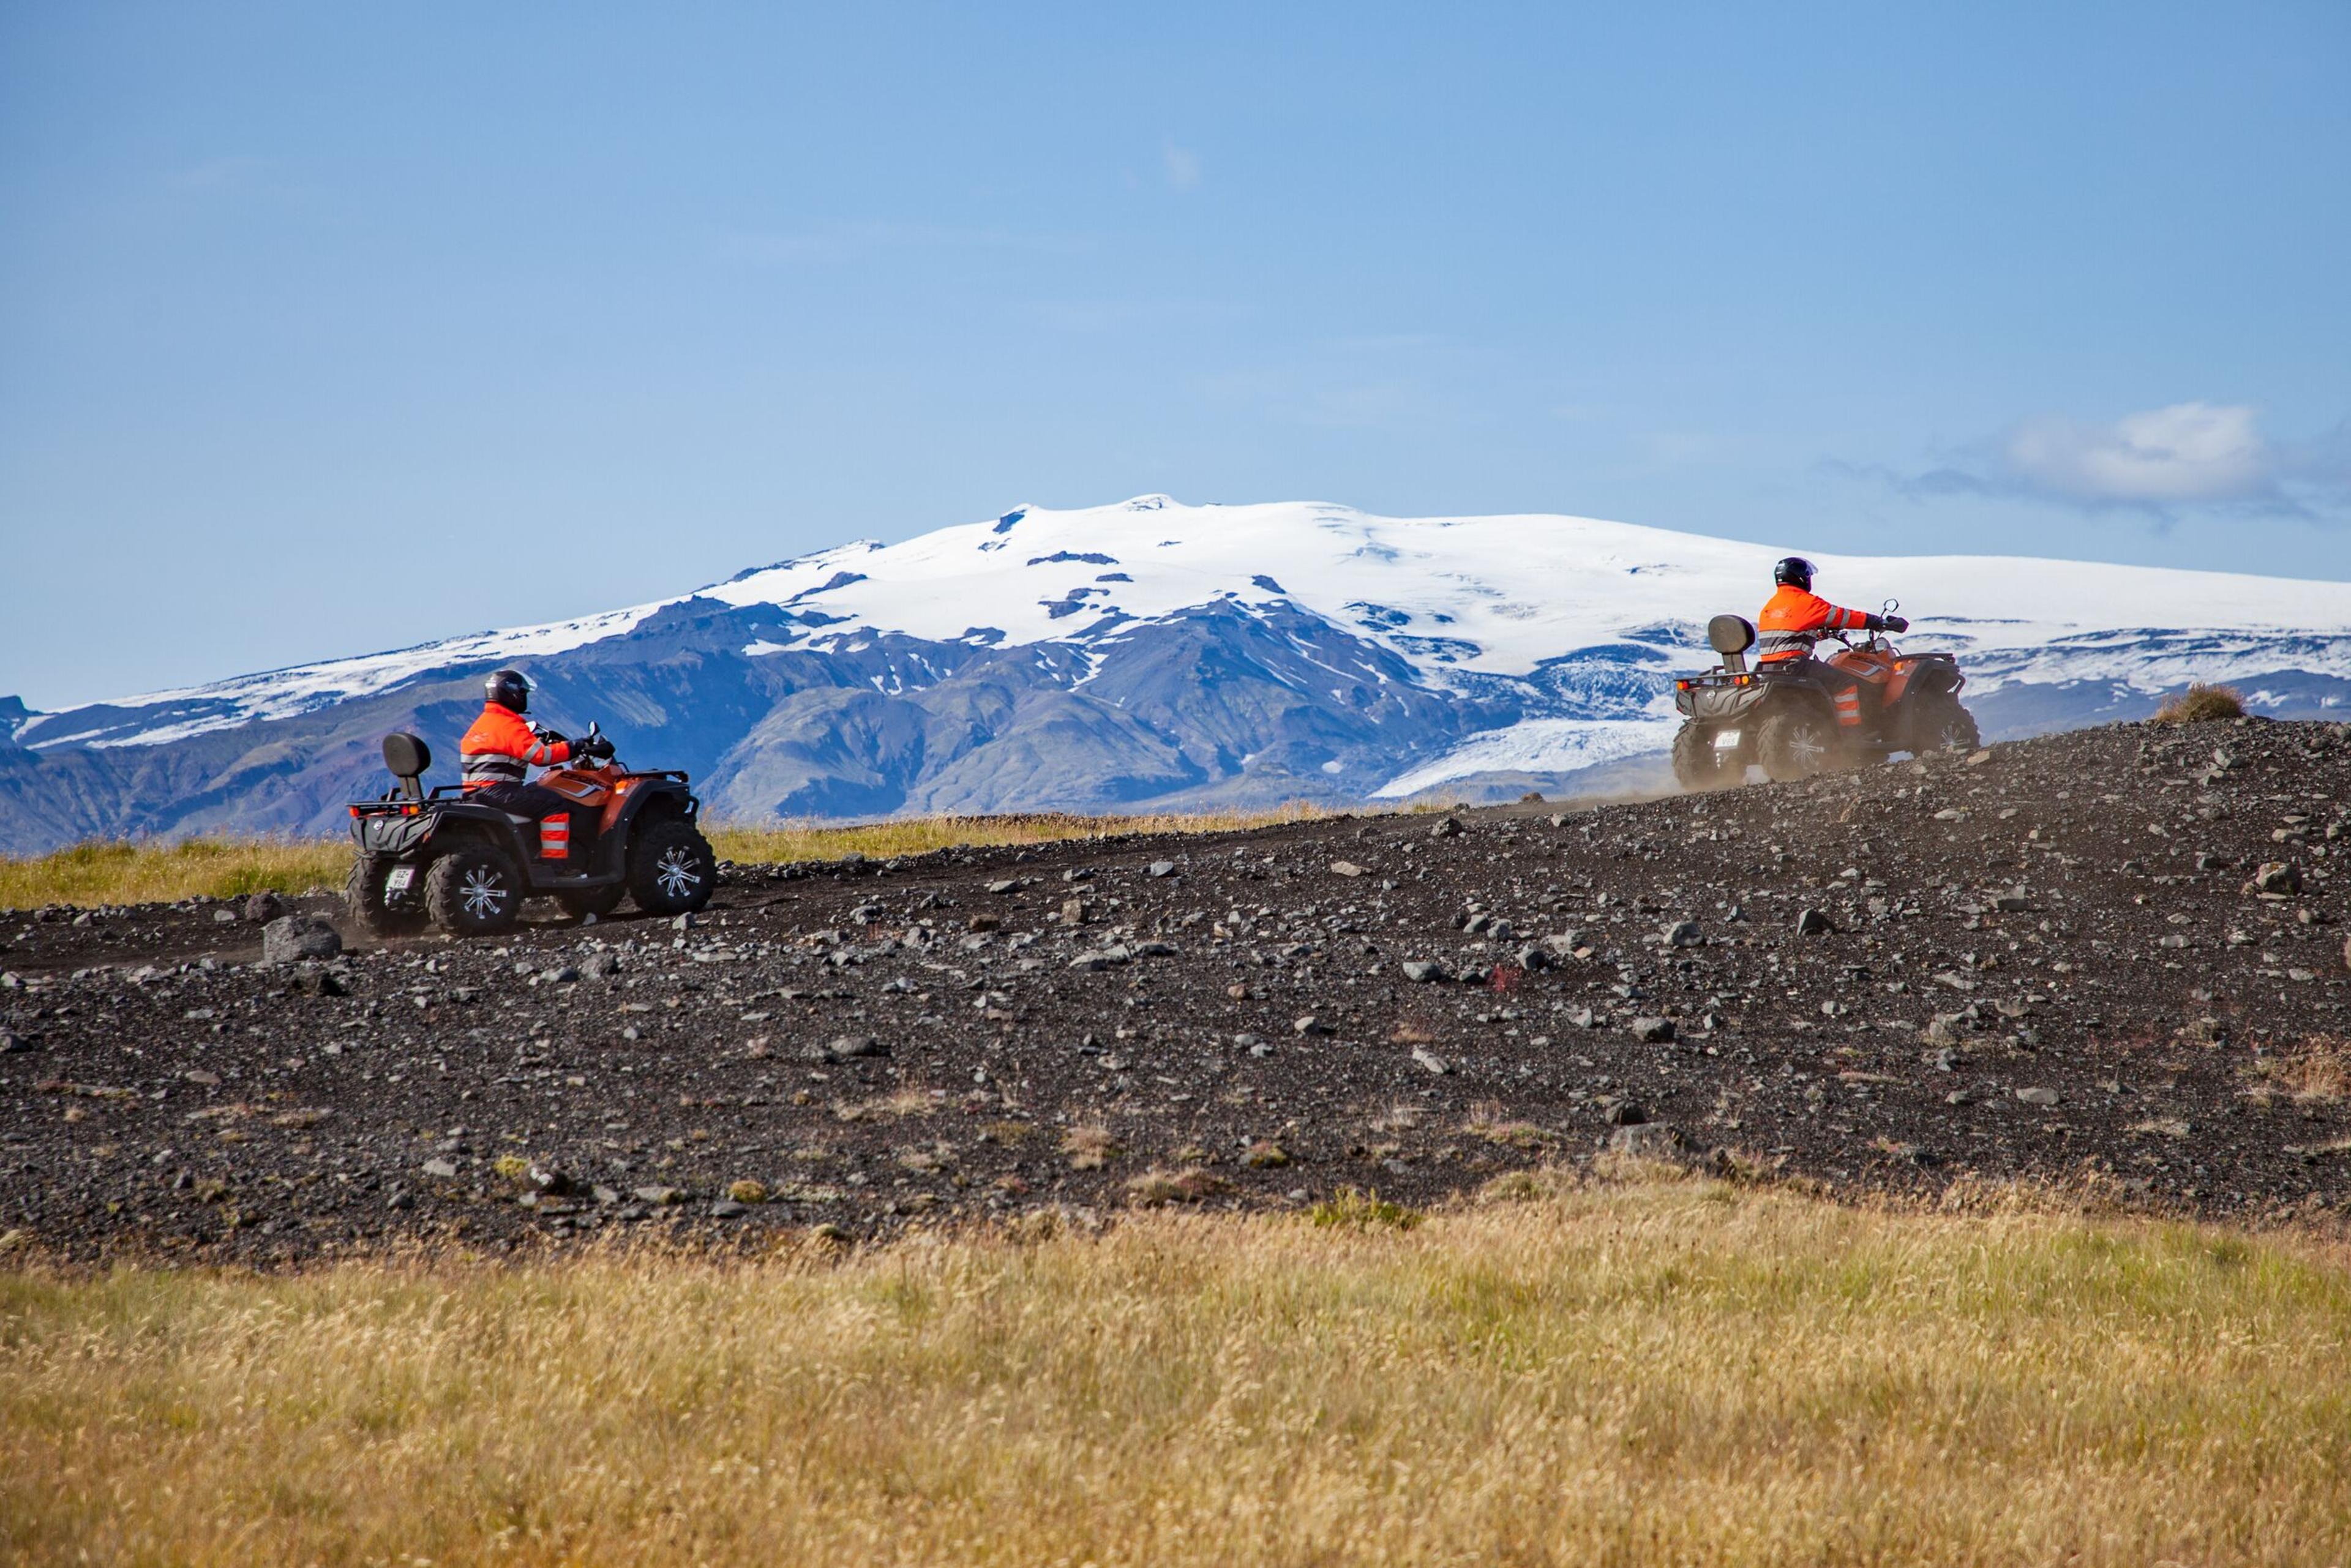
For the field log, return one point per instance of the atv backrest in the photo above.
(1731, 636)
(408, 756)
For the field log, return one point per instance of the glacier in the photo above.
(1151, 652)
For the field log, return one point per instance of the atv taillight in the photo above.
(1681, 686)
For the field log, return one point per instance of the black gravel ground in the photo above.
(2050, 960)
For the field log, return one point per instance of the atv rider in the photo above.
(503, 745)
(1796, 618)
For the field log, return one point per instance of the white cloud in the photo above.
(2185, 455)
(1183, 166)
(2189, 451)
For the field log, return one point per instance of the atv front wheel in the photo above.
(671, 869)
(1797, 743)
(365, 901)
(579, 903)
(1697, 765)
(1945, 727)
(474, 891)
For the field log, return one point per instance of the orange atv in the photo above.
(1798, 718)
(467, 866)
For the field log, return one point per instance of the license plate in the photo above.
(1725, 740)
(398, 879)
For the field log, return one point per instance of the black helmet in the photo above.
(508, 689)
(1794, 572)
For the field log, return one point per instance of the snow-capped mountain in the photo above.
(1151, 654)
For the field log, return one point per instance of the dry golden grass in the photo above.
(123, 872)
(2199, 703)
(101, 874)
(921, 835)
(1674, 1372)
(2316, 1072)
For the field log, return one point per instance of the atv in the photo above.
(466, 866)
(1798, 718)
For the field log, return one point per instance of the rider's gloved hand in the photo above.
(597, 747)
(1895, 623)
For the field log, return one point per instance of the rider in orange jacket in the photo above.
(1796, 617)
(502, 745)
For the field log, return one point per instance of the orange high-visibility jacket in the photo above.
(502, 745)
(1793, 620)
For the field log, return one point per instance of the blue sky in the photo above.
(330, 328)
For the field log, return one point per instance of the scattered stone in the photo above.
(1813, 922)
(601, 965)
(1645, 1139)
(1309, 1025)
(846, 1048)
(1160, 868)
(2279, 879)
(1653, 1030)
(1429, 1059)
(12, 1042)
(1422, 970)
(444, 1169)
(291, 938)
(1623, 1112)
(1446, 827)
(551, 1180)
(2039, 1096)
(261, 908)
(1347, 868)
(726, 1208)
(1005, 885)
(659, 1195)
(1684, 934)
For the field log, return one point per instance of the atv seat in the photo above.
(408, 756)
(1731, 636)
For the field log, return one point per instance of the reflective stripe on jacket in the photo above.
(1793, 620)
(501, 747)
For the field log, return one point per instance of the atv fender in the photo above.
(392, 838)
(1720, 704)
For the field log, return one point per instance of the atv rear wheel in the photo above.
(1799, 742)
(581, 903)
(365, 901)
(474, 891)
(672, 868)
(1944, 727)
(1697, 765)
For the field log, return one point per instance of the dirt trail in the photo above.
(2048, 961)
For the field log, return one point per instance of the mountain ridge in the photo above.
(1152, 654)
